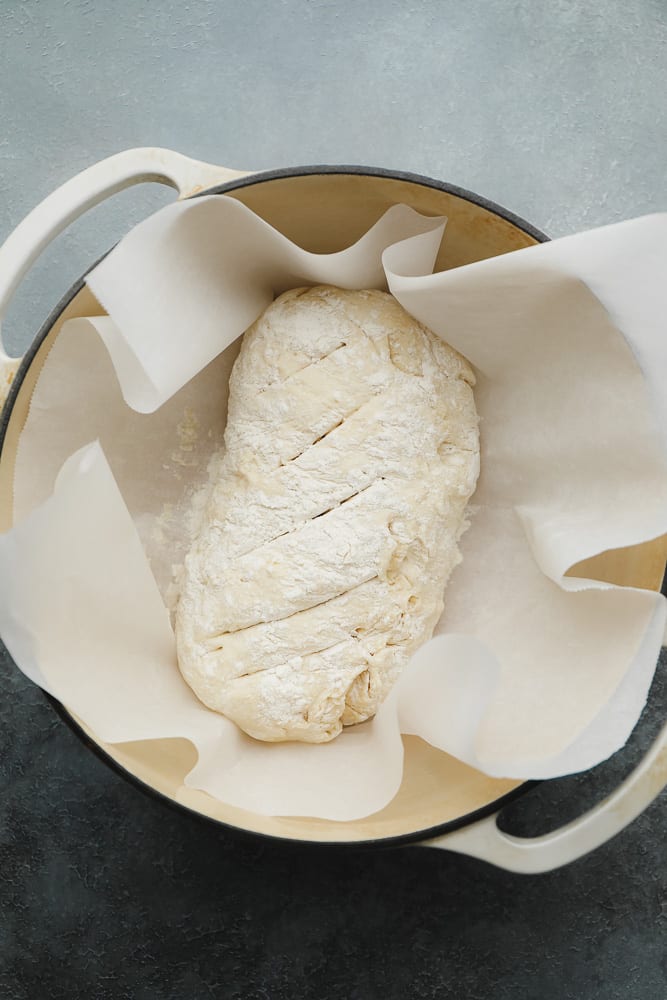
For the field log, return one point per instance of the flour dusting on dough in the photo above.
(328, 529)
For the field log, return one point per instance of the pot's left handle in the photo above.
(87, 189)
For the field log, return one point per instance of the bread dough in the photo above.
(351, 450)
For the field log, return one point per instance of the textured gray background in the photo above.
(556, 110)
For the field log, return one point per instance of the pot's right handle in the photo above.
(542, 854)
(89, 188)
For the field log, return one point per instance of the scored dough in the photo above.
(331, 529)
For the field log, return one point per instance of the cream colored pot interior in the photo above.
(324, 213)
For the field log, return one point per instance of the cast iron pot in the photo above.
(441, 802)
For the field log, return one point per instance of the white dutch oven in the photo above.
(441, 802)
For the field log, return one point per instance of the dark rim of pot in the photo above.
(258, 178)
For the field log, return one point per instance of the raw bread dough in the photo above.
(332, 525)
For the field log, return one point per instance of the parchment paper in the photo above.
(531, 674)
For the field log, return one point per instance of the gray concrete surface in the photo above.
(556, 110)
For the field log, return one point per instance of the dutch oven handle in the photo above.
(87, 189)
(531, 855)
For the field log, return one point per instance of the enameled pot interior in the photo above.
(324, 212)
